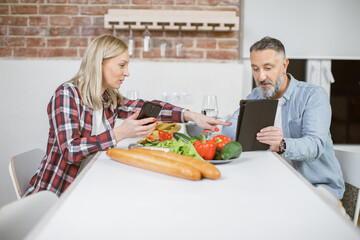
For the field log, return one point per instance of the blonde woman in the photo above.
(82, 114)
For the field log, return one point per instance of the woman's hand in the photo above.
(272, 136)
(133, 128)
(203, 121)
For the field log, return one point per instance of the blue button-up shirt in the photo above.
(306, 118)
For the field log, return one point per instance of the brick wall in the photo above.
(64, 28)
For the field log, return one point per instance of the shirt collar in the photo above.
(105, 96)
(292, 85)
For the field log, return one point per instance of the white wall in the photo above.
(27, 85)
(309, 29)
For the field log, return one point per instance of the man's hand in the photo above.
(272, 136)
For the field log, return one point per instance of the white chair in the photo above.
(329, 197)
(350, 166)
(332, 200)
(22, 167)
(18, 218)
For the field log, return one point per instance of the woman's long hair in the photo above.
(89, 77)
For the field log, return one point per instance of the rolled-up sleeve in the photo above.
(309, 133)
(168, 113)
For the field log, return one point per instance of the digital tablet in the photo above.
(253, 116)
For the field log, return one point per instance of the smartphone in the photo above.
(149, 109)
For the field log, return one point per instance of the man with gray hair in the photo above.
(301, 128)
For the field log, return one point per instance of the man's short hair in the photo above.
(268, 43)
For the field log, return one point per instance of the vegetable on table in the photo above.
(217, 154)
(221, 140)
(231, 150)
(149, 140)
(195, 138)
(171, 127)
(181, 136)
(150, 137)
(165, 135)
(183, 148)
(206, 148)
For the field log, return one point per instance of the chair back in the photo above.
(22, 167)
(350, 166)
(18, 218)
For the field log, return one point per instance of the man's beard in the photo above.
(269, 92)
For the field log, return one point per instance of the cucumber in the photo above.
(217, 154)
(196, 138)
(183, 137)
(231, 150)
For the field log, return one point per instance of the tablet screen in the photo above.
(254, 115)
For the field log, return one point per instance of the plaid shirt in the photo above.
(70, 139)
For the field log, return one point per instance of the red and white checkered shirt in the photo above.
(70, 139)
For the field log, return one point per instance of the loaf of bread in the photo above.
(154, 163)
(206, 169)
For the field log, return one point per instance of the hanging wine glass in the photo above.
(146, 39)
(131, 42)
(113, 28)
(163, 43)
(179, 44)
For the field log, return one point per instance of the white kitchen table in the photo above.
(259, 196)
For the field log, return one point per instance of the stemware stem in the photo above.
(131, 42)
(146, 40)
(179, 45)
(210, 108)
(163, 43)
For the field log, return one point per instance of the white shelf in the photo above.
(189, 20)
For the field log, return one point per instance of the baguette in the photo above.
(206, 169)
(156, 164)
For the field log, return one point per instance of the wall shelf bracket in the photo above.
(172, 20)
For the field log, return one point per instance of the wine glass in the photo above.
(163, 44)
(179, 45)
(210, 108)
(132, 95)
(146, 39)
(131, 42)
